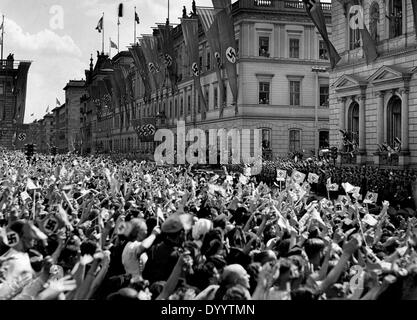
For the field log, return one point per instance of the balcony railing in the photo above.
(263, 3)
(277, 5)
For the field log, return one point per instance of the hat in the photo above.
(172, 225)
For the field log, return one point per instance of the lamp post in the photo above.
(317, 69)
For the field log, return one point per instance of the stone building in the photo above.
(376, 102)
(13, 82)
(282, 79)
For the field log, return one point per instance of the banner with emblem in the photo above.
(25, 134)
(118, 74)
(313, 9)
(150, 64)
(145, 129)
(298, 176)
(313, 178)
(281, 175)
(140, 62)
(211, 30)
(227, 38)
(105, 99)
(149, 44)
(190, 31)
(371, 197)
(116, 90)
(168, 51)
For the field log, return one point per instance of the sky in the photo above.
(59, 36)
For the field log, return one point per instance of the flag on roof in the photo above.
(100, 25)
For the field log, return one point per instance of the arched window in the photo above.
(395, 17)
(373, 21)
(354, 33)
(394, 120)
(353, 118)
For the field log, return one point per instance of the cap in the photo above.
(172, 225)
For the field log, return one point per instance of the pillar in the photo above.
(380, 124)
(405, 150)
(342, 121)
(362, 129)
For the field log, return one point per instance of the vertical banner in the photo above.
(228, 44)
(169, 56)
(190, 31)
(140, 63)
(128, 101)
(313, 8)
(153, 68)
(414, 3)
(211, 30)
(116, 90)
(154, 61)
(368, 44)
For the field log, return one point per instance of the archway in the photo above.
(393, 119)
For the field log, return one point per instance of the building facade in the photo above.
(376, 102)
(282, 78)
(66, 133)
(13, 81)
(74, 90)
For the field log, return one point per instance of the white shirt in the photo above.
(133, 264)
(14, 272)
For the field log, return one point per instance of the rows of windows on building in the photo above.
(294, 93)
(294, 141)
(264, 87)
(379, 18)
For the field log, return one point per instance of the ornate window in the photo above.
(395, 17)
(394, 120)
(353, 122)
(264, 46)
(264, 88)
(295, 93)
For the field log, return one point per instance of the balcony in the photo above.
(277, 5)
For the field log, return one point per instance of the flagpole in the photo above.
(134, 28)
(102, 41)
(118, 34)
(168, 10)
(2, 37)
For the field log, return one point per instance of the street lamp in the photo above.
(317, 69)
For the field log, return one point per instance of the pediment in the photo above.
(349, 82)
(389, 73)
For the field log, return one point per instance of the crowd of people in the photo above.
(97, 228)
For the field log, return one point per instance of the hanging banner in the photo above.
(211, 30)
(145, 129)
(228, 44)
(190, 31)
